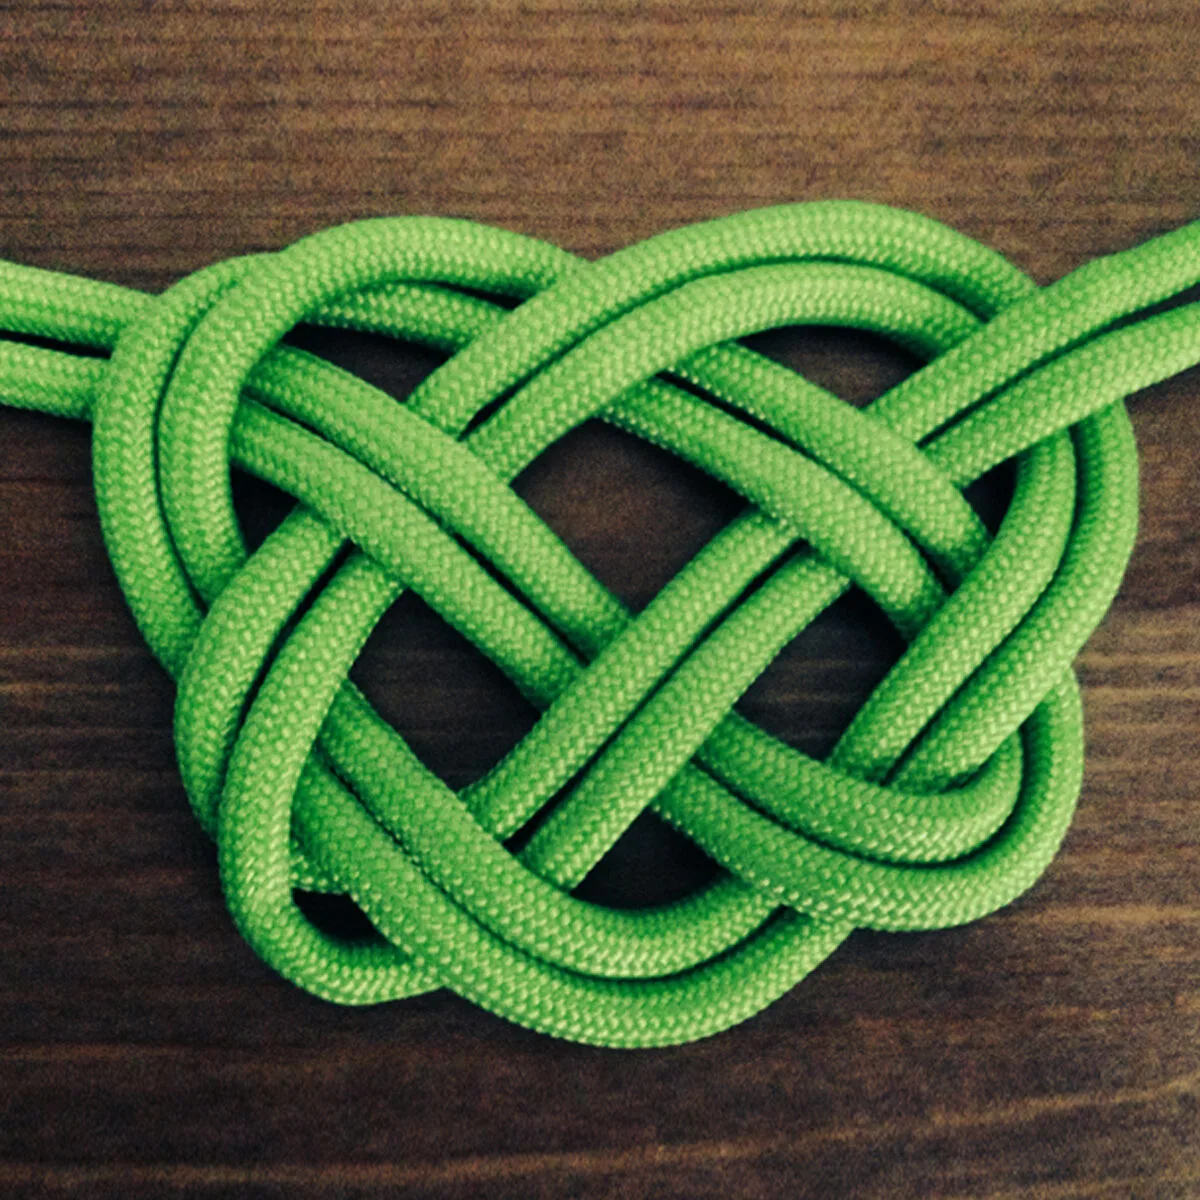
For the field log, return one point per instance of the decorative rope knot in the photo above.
(944, 799)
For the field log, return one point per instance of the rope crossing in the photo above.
(945, 798)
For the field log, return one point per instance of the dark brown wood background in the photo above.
(1052, 1050)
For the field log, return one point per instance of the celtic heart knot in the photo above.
(946, 796)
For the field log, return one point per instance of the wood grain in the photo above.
(1052, 1050)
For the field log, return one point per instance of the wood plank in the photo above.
(1050, 1051)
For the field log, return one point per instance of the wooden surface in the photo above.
(1052, 1050)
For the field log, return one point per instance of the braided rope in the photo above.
(945, 798)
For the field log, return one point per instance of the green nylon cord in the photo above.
(945, 798)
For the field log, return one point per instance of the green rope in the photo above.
(945, 798)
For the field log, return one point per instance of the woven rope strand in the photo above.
(945, 798)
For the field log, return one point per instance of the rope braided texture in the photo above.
(945, 798)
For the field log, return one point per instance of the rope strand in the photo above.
(945, 798)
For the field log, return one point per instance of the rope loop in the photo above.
(944, 799)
